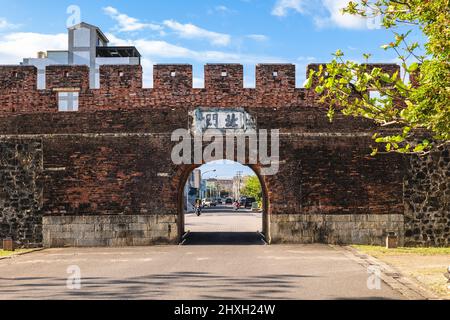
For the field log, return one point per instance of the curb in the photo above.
(21, 254)
(408, 287)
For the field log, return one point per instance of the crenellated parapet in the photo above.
(275, 77)
(121, 87)
(67, 77)
(120, 77)
(224, 77)
(20, 78)
(172, 77)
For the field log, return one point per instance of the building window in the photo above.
(68, 101)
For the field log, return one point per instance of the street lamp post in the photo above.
(202, 178)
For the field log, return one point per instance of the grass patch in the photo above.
(434, 279)
(426, 265)
(4, 253)
(376, 250)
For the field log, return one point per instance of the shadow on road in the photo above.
(224, 238)
(202, 285)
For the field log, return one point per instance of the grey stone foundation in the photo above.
(427, 200)
(109, 231)
(21, 163)
(366, 229)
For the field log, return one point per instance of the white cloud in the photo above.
(154, 49)
(337, 18)
(157, 51)
(306, 59)
(326, 13)
(127, 23)
(258, 37)
(190, 31)
(5, 24)
(16, 46)
(282, 7)
(222, 8)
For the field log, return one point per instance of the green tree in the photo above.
(252, 188)
(416, 113)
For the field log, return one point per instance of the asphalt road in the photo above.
(224, 219)
(211, 265)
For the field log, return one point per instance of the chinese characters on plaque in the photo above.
(223, 119)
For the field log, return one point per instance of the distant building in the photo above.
(225, 187)
(237, 185)
(193, 189)
(87, 46)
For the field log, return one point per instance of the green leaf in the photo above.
(406, 130)
(319, 89)
(413, 67)
(388, 147)
(374, 152)
(331, 114)
(339, 53)
(309, 82)
(419, 148)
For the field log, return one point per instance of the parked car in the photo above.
(207, 202)
(249, 202)
(243, 201)
(219, 201)
(229, 201)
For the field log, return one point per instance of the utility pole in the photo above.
(239, 178)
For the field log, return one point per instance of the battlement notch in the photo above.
(23, 78)
(67, 77)
(275, 77)
(173, 77)
(120, 76)
(224, 77)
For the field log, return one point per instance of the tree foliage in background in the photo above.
(252, 188)
(422, 109)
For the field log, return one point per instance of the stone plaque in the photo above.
(235, 119)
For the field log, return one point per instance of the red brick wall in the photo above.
(67, 77)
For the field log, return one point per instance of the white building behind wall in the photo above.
(87, 46)
(193, 189)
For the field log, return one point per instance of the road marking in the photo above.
(50, 261)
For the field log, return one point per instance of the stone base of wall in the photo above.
(366, 229)
(109, 231)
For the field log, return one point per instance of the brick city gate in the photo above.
(102, 175)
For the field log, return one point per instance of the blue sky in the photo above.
(199, 32)
(225, 169)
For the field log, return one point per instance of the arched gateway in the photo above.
(265, 203)
(104, 175)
